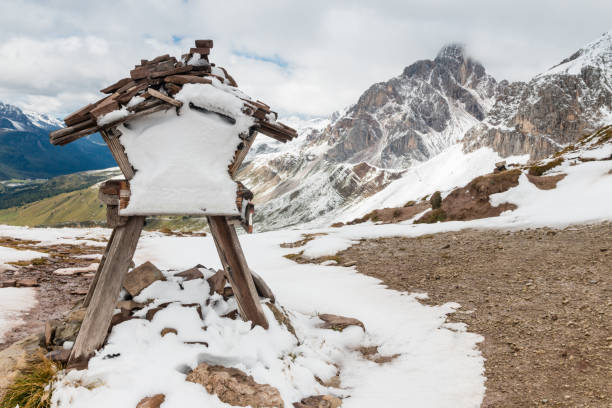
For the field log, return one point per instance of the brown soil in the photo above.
(60, 292)
(541, 298)
(472, 201)
(546, 182)
(390, 215)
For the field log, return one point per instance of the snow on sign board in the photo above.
(181, 161)
(179, 129)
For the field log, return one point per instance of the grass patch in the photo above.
(410, 203)
(538, 170)
(33, 386)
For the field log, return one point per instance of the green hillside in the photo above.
(18, 192)
(80, 207)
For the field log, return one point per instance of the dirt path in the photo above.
(541, 299)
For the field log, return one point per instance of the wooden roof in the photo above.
(157, 81)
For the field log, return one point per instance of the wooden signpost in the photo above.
(155, 82)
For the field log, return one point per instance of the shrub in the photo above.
(33, 386)
(436, 200)
(397, 213)
(410, 203)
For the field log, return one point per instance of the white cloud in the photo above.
(56, 55)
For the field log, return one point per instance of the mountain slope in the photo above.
(552, 110)
(25, 151)
(393, 125)
(447, 104)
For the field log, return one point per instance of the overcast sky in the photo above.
(305, 57)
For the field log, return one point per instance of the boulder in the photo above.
(235, 387)
(152, 402)
(339, 323)
(319, 401)
(16, 358)
(190, 274)
(141, 277)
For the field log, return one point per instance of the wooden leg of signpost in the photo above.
(94, 282)
(106, 291)
(237, 270)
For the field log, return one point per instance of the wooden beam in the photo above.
(237, 270)
(241, 154)
(97, 319)
(111, 137)
(94, 282)
(156, 94)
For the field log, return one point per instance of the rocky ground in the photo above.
(61, 291)
(541, 298)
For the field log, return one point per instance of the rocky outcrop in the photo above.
(234, 387)
(552, 110)
(408, 119)
(415, 115)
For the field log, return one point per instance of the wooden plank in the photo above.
(173, 71)
(240, 155)
(262, 287)
(75, 135)
(204, 43)
(94, 282)
(201, 51)
(72, 129)
(104, 298)
(237, 270)
(112, 140)
(113, 219)
(78, 116)
(184, 79)
(117, 85)
(156, 94)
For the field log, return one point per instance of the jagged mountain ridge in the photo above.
(411, 118)
(554, 109)
(394, 124)
(25, 151)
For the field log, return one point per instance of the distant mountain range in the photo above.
(25, 151)
(406, 121)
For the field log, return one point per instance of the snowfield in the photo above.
(14, 303)
(431, 353)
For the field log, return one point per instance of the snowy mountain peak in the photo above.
(454, 51)
(14, 118)
(597, 54)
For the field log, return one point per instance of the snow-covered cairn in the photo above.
(179, 130)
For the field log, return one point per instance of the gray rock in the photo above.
(141, 277)
(235, 387)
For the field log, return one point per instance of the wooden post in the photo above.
(94, 282)
(237, 270)
(104, 298)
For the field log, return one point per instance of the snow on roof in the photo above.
(184, 125)
(151, 88)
